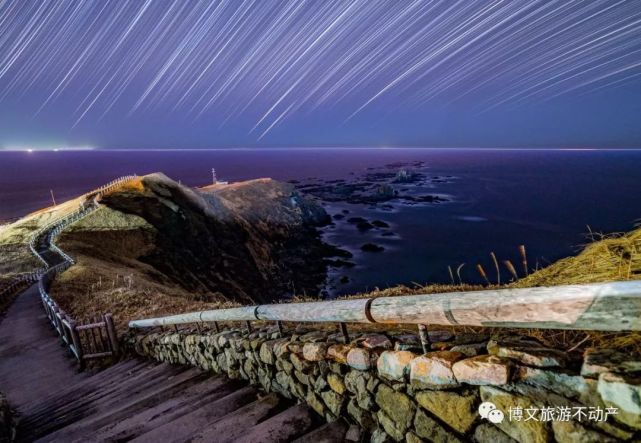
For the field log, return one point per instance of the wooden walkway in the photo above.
(134, 400)
(32, 361)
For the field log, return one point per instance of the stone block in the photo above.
(303, 378)
(356, 381)
(428, 428)
(338, 353)
(598, 361)
(336, 383)
(314, 337)
(319, 384)
(299, 363)
(573, 432)
(456, 409)
(295, 347)
(359, 358)
(377, 341)
(622, 392)
(471, 349)
(397, 406)
(487, 433)
(315, 403)
(434, 369)
(439, 336)
(407, 342)
(568, 385)
(333, 401)
(315, 351)
(390, 426)
(531, 431)
(362, 416)
(483, 370)
(394, 365)
(380, 436)
(528, 352)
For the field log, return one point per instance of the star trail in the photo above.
(269, 65)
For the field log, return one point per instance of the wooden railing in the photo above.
(95, 338)
(601, 306)
(19, 282)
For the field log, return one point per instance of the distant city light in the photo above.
(46, 148)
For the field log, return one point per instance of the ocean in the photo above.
(547, 200)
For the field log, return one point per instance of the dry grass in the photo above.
(613, 257)
(128, 291)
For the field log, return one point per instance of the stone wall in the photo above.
(394, 392)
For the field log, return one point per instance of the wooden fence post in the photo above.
(111, 333)
(57, 323)
(75, 339)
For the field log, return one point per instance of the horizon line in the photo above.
(253, 148)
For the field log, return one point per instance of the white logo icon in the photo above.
(488, 410)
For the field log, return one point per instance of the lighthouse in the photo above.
(214, 178)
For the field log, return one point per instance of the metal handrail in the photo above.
(612, 306)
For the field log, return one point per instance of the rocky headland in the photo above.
(157, 246)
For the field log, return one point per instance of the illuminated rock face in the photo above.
(403, 396)
(250, 242)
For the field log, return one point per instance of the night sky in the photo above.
(195, 74)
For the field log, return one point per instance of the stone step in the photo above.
(182, 428)
(282, 427)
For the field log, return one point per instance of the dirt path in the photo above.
(32, 362)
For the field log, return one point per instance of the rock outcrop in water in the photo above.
(247, 242)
